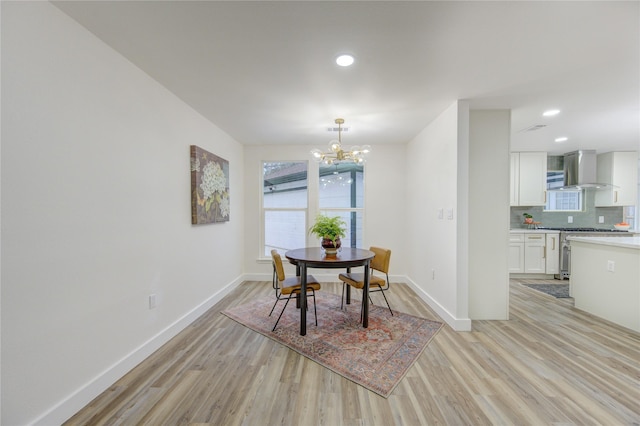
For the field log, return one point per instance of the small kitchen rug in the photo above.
(559, 291)
(377, 357)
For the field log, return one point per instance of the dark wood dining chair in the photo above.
(286, 288)
(379, 263)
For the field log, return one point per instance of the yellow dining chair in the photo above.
(379, 263)
(288, 287)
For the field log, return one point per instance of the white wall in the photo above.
(384, 219)
(432, 241)
(489, 214)
(458, 214)
(96, 215)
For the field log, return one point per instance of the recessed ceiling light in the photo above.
(562, 139)
(551, 112)
(344, 60)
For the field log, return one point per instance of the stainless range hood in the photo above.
(580, 171)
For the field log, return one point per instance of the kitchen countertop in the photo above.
(625, 242)
(543, 231)
(533, 231)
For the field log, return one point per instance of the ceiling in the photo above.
(264, 72)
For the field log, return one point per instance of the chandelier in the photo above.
(338, 154)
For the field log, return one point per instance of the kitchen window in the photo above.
(561, 200)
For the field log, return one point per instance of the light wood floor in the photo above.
(550, 364)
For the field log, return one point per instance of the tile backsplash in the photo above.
(588, 218)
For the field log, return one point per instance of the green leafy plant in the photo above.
(330, 228)
(527, 215)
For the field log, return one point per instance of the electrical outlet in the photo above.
(569, 219)
(450, 214)
(440, 214)
(600, 219)
(611, 265)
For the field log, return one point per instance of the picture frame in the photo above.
(209, 187)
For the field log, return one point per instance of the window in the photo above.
(561, 200)
(341, 193)
(285, 207)
(284, 204)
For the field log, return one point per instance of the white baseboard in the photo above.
(85, 394)
(82, 396)
(458, 324)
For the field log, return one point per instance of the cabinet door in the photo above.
(516, 253)
(621, 170)
(534, 259)
(552, 253)
(515, 179)
(533, 179)
(516, 257)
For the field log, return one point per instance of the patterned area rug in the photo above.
(377, 357)
(559, 291)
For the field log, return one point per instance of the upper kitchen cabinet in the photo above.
(619, 169)
(528, 178)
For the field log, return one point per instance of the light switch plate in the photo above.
(152, 301)
(600, 219)
(570, 219)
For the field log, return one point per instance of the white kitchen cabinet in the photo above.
(621, 170)
(552, 253)
(514, 179)
(528, 179)
(516, 253)
(534, 255)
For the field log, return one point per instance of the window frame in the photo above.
(552, 191)
(338, 210)
(313, 203)
(262, 243)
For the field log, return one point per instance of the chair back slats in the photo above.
(381, 260)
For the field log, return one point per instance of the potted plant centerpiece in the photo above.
(527, 218)
(329, 229)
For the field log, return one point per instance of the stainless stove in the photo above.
(565, 247)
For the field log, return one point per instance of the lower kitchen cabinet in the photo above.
(534, 261)
(516, 253)
(552, 253)
(534, 253)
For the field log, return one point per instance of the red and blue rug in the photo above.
(377, 357)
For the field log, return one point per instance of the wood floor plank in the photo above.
(550, 363)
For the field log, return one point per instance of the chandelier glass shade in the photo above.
(337, 153)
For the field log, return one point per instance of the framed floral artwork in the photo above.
(209, 187)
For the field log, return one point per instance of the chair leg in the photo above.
(315, 307)
(274, 305)
(385, 299)
(342, 299)
(281, 312)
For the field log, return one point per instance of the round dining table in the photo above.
(315, 257)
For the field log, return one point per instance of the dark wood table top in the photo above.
(315, 257)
